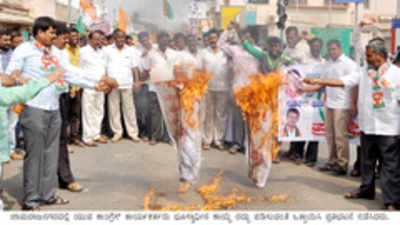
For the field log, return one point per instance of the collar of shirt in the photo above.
(124, 47)
(33, 60)
(340, 59)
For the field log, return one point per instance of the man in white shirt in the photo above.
(214, 61)
(338, 106)
(379, 122)
(297, 48)
(122, 65)
(92, 58)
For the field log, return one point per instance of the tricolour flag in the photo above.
(167, 10)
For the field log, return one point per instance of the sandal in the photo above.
(58, 201)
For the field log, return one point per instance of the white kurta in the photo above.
(92, 101)
(378, 105)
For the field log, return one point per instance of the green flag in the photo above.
(80, 26)
(168, 10)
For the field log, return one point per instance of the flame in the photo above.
(192, 92)
(212, 199)
(258, 97)
(255, 100)
(147, 198)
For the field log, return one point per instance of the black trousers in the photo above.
(155, 121)
(386, 147)
(64, 172)
(75, 115)
(143, 111)
(312, 150)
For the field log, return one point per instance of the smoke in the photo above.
(151, 12)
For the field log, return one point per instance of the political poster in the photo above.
(302, 115)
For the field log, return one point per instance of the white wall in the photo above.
(39, 8)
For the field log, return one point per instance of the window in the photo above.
(259, 1)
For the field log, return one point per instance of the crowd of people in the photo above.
(84, 91)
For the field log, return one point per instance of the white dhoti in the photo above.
(92, 114)
(216, 116)
(259, 151)
(185, 137)
(115, 98)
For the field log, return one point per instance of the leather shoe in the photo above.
(326, 167)
(338, 170)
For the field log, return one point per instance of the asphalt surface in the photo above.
(118, 176)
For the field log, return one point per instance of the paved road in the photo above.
(118, 176)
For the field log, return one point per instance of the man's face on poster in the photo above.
(292, 119)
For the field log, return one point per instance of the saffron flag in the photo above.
(167, 10)
(123, 20)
